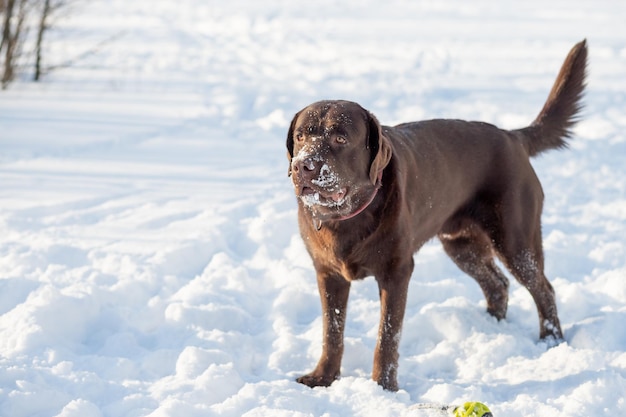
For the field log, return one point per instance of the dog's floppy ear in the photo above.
(290, 141)
(379, 147)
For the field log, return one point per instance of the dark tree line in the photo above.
(17, 18)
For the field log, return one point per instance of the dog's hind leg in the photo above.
(523, 256)
(518, 244)
(471, 250)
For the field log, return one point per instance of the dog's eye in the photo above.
(299, 137)
(340, 139)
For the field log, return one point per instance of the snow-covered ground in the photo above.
(150, 262)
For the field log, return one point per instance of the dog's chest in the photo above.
(338, 253)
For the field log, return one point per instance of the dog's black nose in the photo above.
(305, 167)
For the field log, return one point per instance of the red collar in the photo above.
(369, 201)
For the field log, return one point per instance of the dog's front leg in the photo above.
(393, 292)
(334, 291)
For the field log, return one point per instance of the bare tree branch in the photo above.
(92, 51)
(41, 29)
(16, 16)
(13, 32)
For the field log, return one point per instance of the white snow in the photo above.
(150, 263)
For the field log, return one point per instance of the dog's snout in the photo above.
(305, 167)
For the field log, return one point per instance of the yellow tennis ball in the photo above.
(472, 409)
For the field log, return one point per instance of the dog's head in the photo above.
(336, 152)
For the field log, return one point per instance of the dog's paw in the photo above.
(551, 334)
(313, 380)
(552, 341)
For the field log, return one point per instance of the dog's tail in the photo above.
(553, 125)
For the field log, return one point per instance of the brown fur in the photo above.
(370, 196)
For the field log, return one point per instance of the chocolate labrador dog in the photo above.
(369, 196)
